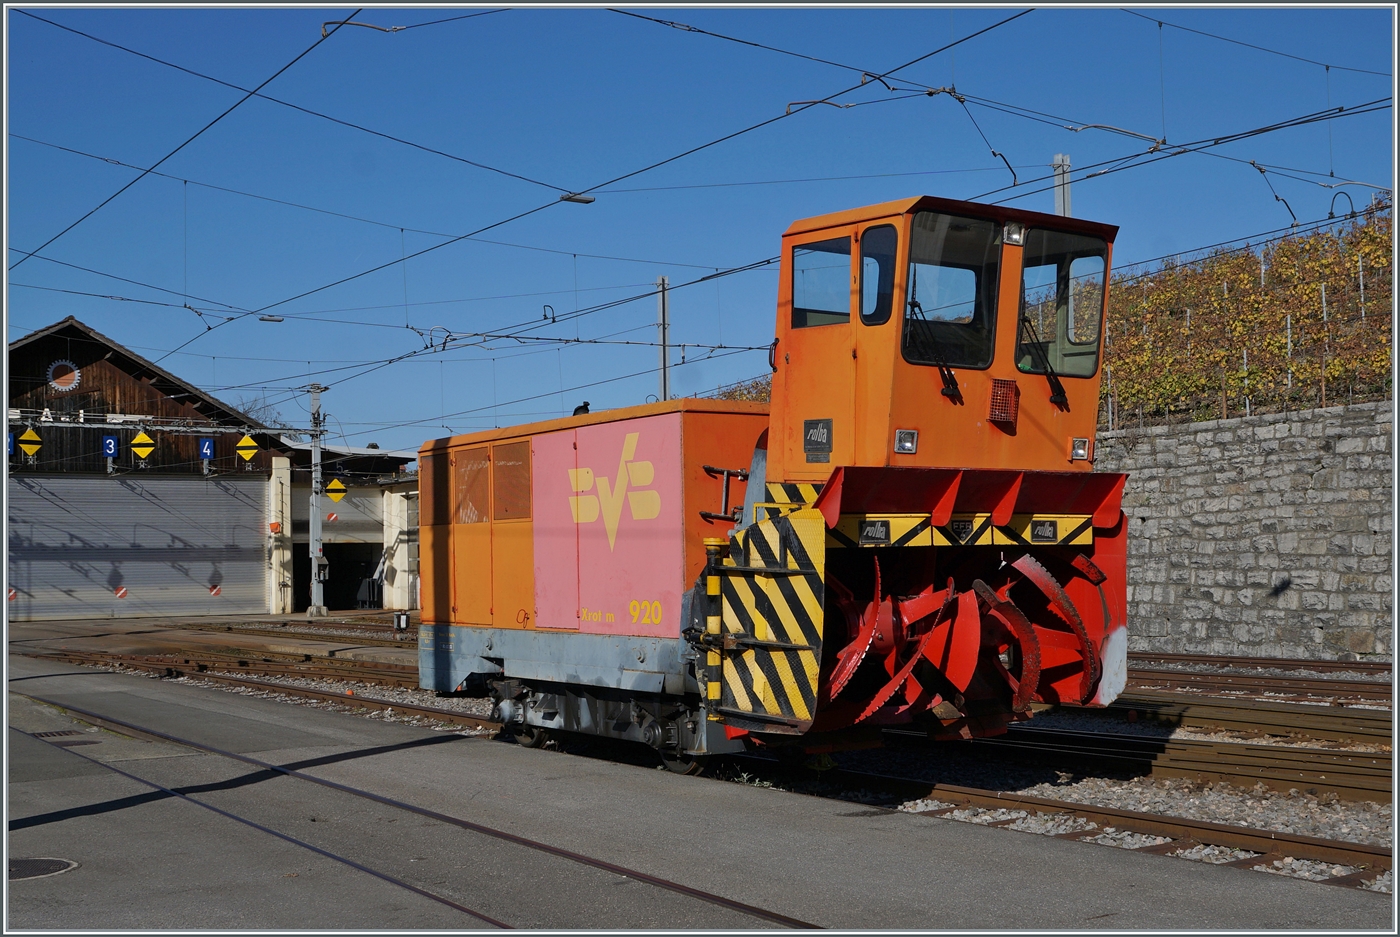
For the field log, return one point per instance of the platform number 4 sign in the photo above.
(206, 448)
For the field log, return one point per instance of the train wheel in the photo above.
(683, 763)
(530, 736)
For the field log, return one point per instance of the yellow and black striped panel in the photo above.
(881, 530)
(1025, 530)
(794, 492)
(773, 624)
(767, 510)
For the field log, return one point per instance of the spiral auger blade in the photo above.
(1014, 620)
(850, 657)
(1040, 577)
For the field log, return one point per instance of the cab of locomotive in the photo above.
(937, 333)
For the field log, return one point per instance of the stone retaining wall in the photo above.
(1264, 536)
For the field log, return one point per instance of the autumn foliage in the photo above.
(1281, 326)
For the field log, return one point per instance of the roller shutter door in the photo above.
(75, 542)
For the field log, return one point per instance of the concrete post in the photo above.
(397, 593)
(279, 526)
(317, 609)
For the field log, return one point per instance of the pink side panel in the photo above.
(556, 540)
(620, 572)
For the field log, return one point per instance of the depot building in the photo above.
(133, 493)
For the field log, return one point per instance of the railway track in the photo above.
(1337, 723)
(376, 635)
(262, 663)
(750, 910)
(1228, 761)
(1271, 678)
(1297, 688)
(1349, 775)
(1182, 833)
(1378, 668)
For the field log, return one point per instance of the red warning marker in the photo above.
(332, 517)
(215, 590)
(120, 592)
(13, 594)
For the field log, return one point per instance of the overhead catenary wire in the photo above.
(1014, 110)
(518, 331)
(806, 106)
(197, 134)
(399, 29)
(1161, 22)
(628, 175)
(149, 286)
(379, 427)
(1156, 154)
(297, 107)
(963, 98)
(446, 234)
(1292, 122)
(371, 221)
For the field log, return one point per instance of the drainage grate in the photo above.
(52, 735)
(38, 868)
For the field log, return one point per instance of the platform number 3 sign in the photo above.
(109, 447)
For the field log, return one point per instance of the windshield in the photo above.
(951, 294)
(1062, 297)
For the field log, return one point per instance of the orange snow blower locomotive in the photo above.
(921, 542)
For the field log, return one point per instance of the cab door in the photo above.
(817, 349)
(876, 339)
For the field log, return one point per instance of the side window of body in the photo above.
(821, 283)
(877, 253)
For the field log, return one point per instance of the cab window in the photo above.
(1062, 300)
(821, 283)
(951, 294)
(877, 250)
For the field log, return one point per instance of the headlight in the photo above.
(906, 440)
(1078, 449)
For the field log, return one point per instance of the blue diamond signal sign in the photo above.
(206, 448)
(109, 446)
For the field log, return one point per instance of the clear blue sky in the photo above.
(573, 98)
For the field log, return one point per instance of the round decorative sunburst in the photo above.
(64, 375)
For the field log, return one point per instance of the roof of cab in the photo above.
(932, 203)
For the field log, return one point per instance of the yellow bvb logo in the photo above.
(643, 504)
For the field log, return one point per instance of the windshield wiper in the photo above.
(927, 346)
(1057, 390)
(931, 351)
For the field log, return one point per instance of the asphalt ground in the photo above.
(150, 860)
